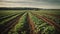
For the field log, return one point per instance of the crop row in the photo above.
(29, 23)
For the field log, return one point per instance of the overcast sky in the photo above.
(48, 4)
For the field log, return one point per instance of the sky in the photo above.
(46, 4)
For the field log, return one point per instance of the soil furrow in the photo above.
(10, 25)
(31, 25)
(58, 16)
(57, 26)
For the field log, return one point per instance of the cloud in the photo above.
(16, 0)
(31, 3)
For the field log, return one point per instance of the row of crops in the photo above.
(41, 27)
(8, 15)
(19, 28)
(7, 19)
(52, 15)
(22, 26)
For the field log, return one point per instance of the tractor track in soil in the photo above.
(31, 24)
(10, 25)
(50, 22)
(53, 15)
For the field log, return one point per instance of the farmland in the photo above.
(30, 21)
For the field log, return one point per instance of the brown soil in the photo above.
(54, 15)
(57, 26)
(31, 25)
(10, 25)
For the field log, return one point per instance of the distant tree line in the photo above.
(26, 8)
(4, 8)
